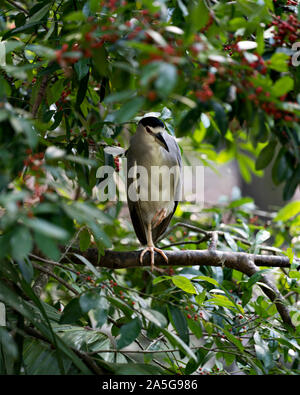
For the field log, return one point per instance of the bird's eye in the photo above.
(149, 130)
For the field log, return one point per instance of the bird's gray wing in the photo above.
(176, 154)
(175, 151)
(134, 207)
(162, 227)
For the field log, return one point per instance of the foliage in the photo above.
(75, 77)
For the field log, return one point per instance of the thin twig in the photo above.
(50, 273)
(208, 234)
(16, 5)
(214, 241)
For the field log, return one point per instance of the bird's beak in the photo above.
(159, 138)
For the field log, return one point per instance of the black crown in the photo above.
(152, 122)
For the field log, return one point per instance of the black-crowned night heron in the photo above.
(153, 182)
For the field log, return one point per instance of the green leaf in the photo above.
(155, 317)
(100, 62)
(88, 264)
(166, 79)
(121, 305)
(129, 332)
(47, 228)
(72, 312)
(280, 167)
(24, 126)
(129, 110)
(8, 344)
(220, 117)
(54, 91)
(260, 40)
(47, 245)
(261, 236)
(26, 269)
(221, 300)
(21, 243)
(198, 15)
(40, 14)
(184, 283)
(230, 241)
(160, 279)
(208, 279)
(41, 50)
(179, 322)
(100, 312)
(39, 358)
(240, 202)
(84, 239)
(290, 210)
(199, 299)
(82, 68)
(291, 184)
(279, 61)
(25, 309)
(177, 342)
(195, 327)
(283, 86)
(255, 278)
(233, 339)
(119, 96)
(262, 351)
(89, 300)
(5, 89)
(82, 89)
(266, 155)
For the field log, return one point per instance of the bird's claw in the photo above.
(151, 249)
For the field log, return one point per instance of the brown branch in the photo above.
(16, 5)
(48, 273)
(123, 260)
(208, 234)
(42, 280)
(240, 261)
(40, 95)
(214, 241)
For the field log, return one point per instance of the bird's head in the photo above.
(154, 127)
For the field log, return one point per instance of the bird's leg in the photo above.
(151, 248)
(159, 217)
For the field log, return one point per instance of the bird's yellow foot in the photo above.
(151, 249)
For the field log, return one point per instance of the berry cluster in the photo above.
(63, 99)
(193, 315)
(257, 66)
(291, 2)
(34, 163)
(245, 84)
(206, 93)
(112, 5)
(287, 32)
(208, 24)
(117, 164)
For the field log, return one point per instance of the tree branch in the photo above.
(48, 273)
(126, 259)
(240, 261)
(16, 5)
